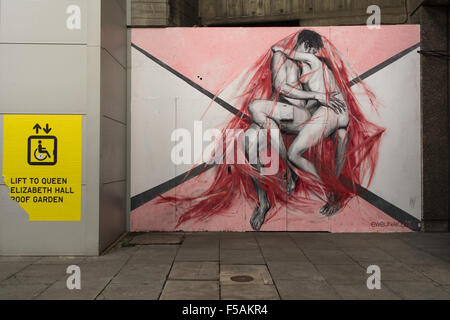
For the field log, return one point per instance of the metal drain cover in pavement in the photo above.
(242, 278)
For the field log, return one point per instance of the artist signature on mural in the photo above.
(386, 224)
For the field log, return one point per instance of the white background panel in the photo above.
(152, 123)
(160, 103)
(398, 175)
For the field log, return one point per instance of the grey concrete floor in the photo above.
(206, 266)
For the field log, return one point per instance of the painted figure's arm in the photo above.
(328, 100)
(281, 82)
(293, 92)
(296, 55)
(290, 87)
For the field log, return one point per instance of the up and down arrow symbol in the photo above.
(46, 129)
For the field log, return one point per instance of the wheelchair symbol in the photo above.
(42, 150)
(41, 153)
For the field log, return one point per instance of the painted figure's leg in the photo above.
(301, 116)
(252, 142)
(259, 214)
(323, 124)
(263, 113)
(341, 140)
(308, 137)
(267, 115)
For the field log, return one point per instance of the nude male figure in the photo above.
(296, 104)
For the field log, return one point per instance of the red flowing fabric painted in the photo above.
(233, 182)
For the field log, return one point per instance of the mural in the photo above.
(240, 129)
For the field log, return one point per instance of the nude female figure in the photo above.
(305, 108)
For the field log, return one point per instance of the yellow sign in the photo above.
(42, 165)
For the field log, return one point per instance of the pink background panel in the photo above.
(219, 55)
(357, 216)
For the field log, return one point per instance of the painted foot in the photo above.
(258, 216)
(330, 208)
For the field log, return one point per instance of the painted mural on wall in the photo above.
(300, 129)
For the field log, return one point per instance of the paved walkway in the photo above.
(242, 266)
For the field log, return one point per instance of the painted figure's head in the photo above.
(309, 41)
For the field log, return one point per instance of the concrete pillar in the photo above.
(113, 122)
(435, 117)
(50, 69)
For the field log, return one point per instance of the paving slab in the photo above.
(316, 243)
(154, 254)
(116, 254)
(303, 234)
(417, 290)
(21, 291)
(439, 273)
(141, 274)
(305, 290)
(270, 234)
(249, 292)
(91, 271)
(429, 241)
(343, 274)
(284, 254)
(320, 256)
(234, 256)
(19, 259)
(198, 253)
(361, 292)
(194, 270)
(238, 243)
(201, 239)
(41, 274)
(64, 260)
(258, 273)
(415, 257)
(116, 291)
(351, 242)
(398, 271)
(208, 245)
(390, 244)
(210, 234)
(190, 290)
(59, 291)
(372, 255)
(299, 266)
(276, 242)
(281, 270)
(7, 269)
(378, 235)
(237, 235)
(151, 238)
(442, 253)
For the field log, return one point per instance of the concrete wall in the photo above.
(163, 13)
(49, 69)
(435, 113)
(150, 12)
(113, 123)
(433, 15)
(305, 12)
